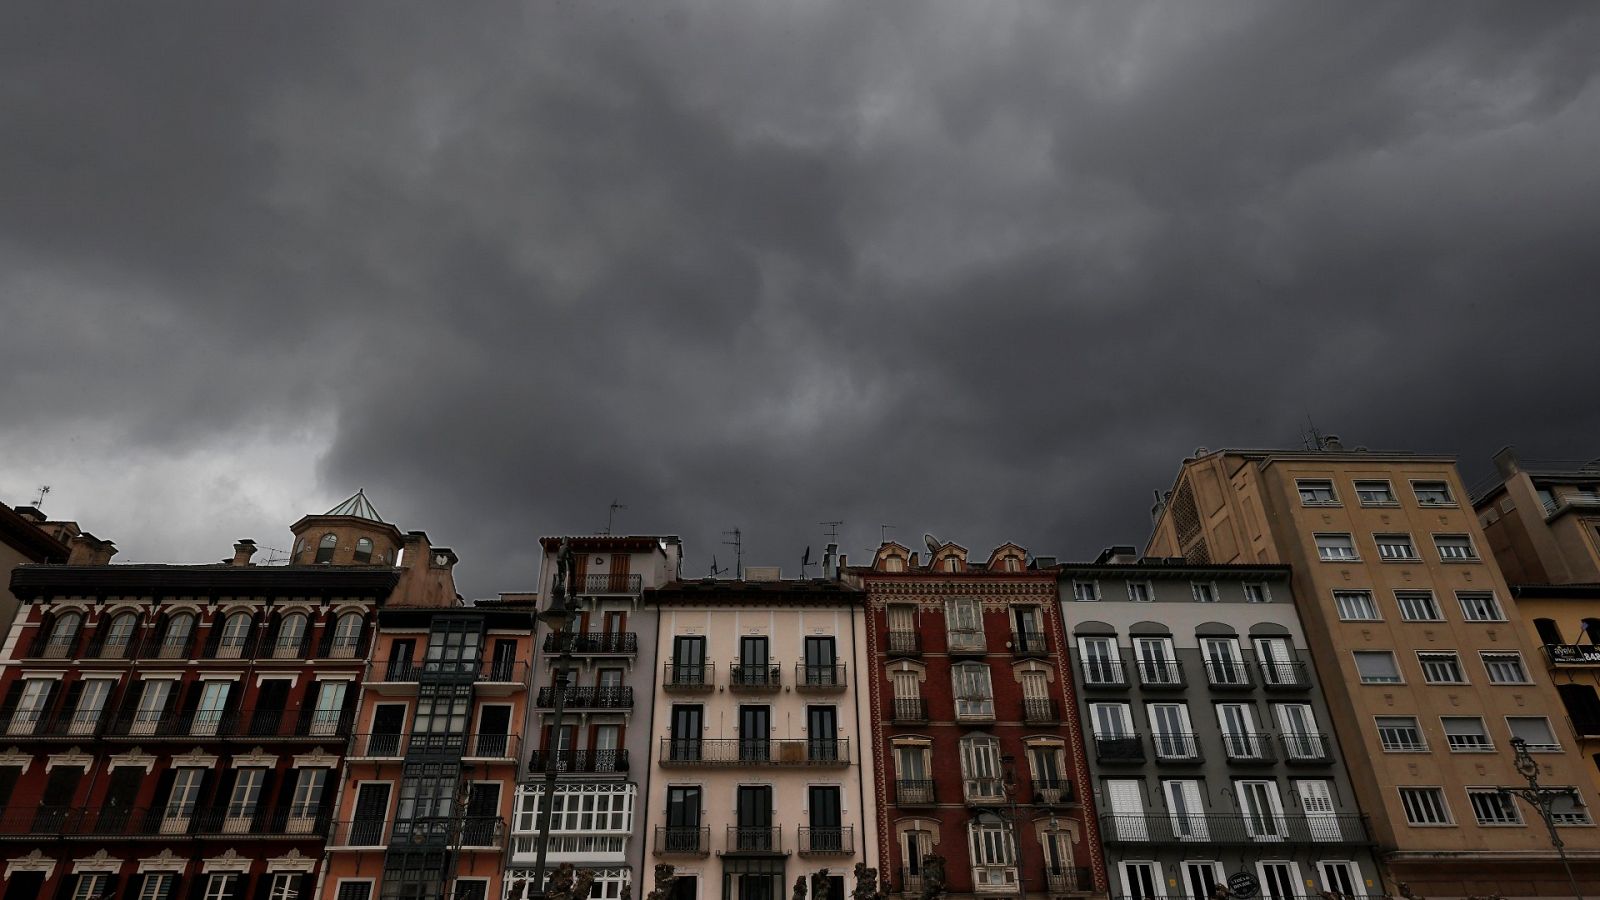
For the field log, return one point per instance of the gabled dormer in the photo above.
(949, 557)
(1007, 557)
(892, 557)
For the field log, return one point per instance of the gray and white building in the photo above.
(1210, 749)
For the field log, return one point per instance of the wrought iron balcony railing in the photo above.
(331, 725)
(1068, 879)
(1249, 747)
(747, 839)
(1285, 676)
(1039, 711)
(73, 823)
(1306, 747)
(1233, 829)
(582, 698)
(1175, 747)
(1104, 673)
(579, 762)
(835, 841)
(688, 676)
(817, 678)
(908, 710)
(1228, 675)
(915, 792)
(593, 643)
(905, 643)
(755, 751)
(483, 671)
(755, 677)
(683, 840)
(1029, 644)
(612, 584)
(1124, 749)
(1160, 673)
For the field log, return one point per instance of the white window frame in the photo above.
(1204, 592)
(1358, 655)
(1388, 489)
(1444, 487)
(1085, 591)
(155, 885)
(1347, 603)
(1433, 791)
(1551, 746)
(1430, 660)
(1108, 665)
(30, 705)
(1403, 597)
(1396, 546)
(1145, 587)
(1464, 745)
(1467, 612)
(219, 885)
(1180, 744)
(1454, 555)
(1157, 661)
(1502, 658)
(1263, 592)
(1419, 746)
(89, 885)
(1511, 816)
(1336, 546)
(973, 689)
(1302, 486)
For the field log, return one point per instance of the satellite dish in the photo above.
(933, 543)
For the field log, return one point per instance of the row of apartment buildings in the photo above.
(1307, 682)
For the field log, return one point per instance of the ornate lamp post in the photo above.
(1541, 799)
(558, 615)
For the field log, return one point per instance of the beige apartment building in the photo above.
(759, 771)
(1427, 676)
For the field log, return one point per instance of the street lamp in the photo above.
(558, 615)
(1008, 783)
(1541, 799)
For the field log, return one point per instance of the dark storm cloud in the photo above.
(983, 270)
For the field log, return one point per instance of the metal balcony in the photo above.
(593, 643)
(1051, 792)
(64, 823)
(611, 584)
(688, 677)
(1104, 673)
(1160, 674)
(588, 698)
(579, 762)
(1203, 829)
(247, 725)
(494, 676)
(1029, 644)
(1309, 748)
(1254, 748)
(1040, 711)
(755, 677)
(169, 647)
(758, 841)
(835, 841)
(725, 752)
(1228, 676)
(1128, 749)
(965, 643)
(905, 643)
(1068, 879)
(683, 840)
(915, 792)
(814, 678)
(1285, 676)
(1176, 748)
(348, 834)
(908, 711)
(52, 647)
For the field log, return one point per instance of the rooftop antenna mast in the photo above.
(832, 530)
(1312, 437)
(738, 552)
(611, 514)
(38, 503)
(883, 534)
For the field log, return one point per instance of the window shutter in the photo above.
(69, 701)
(274, 625)
(191, 701)
(241, 886)
(172, 887)
(13, 697)
(265, 809)
(109, 889)
(251, 645)
(325, 644)
(364, 644)
(347, 713)
(219, 802)
(158, 802)
(213, 635)
(135, 886)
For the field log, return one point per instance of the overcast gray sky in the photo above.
(988, 270)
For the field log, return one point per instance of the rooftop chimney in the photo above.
(1332, 442)
(242, 551)
(1505, 461)
(763, 573)
(31, 513)
(88, 550)
(830, 569)
(1121, 555)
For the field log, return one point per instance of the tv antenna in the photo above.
(714, 570)
(1312, 438)
(38, 503)
(611, 514)
(832, 530)
(738, 552)
(883, 534)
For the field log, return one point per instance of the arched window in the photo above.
(119, 633)
(291, 635)
(347, 634)
(364, 550)
(175, 643)
(1549, 631)
(63, 635)
(235, 633)
(325, 547)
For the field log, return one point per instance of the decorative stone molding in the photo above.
(164, 861)
(291, 862)
(73, 757)
(317, 759)
(256, 757)
(33, 862)
(134, 757)
(292, 677)
(13, 756)
(101, 861)
(193, 758)
(229, 861)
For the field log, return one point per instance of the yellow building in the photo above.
(1427, 677)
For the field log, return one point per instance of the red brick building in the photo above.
(178, 730)
(976, 734)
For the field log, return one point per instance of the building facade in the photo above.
(27, 537)
(1405, 613)
(1210, 743)
(759, 773)
(602, 750)
(178, 731)
(977, 743)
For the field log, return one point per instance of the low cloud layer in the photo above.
(983, 270)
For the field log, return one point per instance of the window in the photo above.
(1395, 547)
(1535, 730)
(1490, 807)
(1256, 593)
(213, 704)
(1454, 547)
(152, 706)
(1102, 663)
(235, 633)
(285, 886)
(1157, 664)
(980, 767)
(1356, 606)
(1466, 734)
(1140, 591)
(990, 843)
(1086, 591)
(1316, 492)
(65, 629)
(1333, 547)
(1224, 663)
(242, 803)
(1171, 731)
(182, 799)
(308, 791)
(1442, 668)
(90, 885)
(973, 692)
(91, 704)
(155, 885)
(1377, 667)
(1418, 606)
(347, 634)
(1505, 667)
(355, 890)
(1425, 806)
(30, 707)
(118, 635)
(963, 624)
(1375, 493)
(1204, 591)
(291, 634)
(1432, 493)
(1400, 734)
(1239, 736)
(441, 709)
(363, 552)
(326, 546)
(330, 708)
(1480, 606)
(219, 885)
(1568, 810)
(175, 643)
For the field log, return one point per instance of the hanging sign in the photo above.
(1243, 885)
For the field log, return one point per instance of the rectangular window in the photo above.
(1490, 807)
(1400, 734)
(1432, 493)
(1535, 730)
(1454, 547)
(1466, 734)
(284, 886)
(963, 624)
(219, 885)
(1336, 547)
(89, 886)
(1505, 667)
(1140, 592)
(1375, 493)
(1356, 606)
(155, 885)
(1480, 606)
(308, 791)
(1569, 810)
(1442, 668)
(1316, 492)
(355, 890)
(1256, 593)
(1425, 806)
(1395, 547)
(973, 692)
(1377, 667)
(1102, 663)
(1085, 591)
(30, 706)
(242, 804)
(1204, 591)
(1418, 606)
